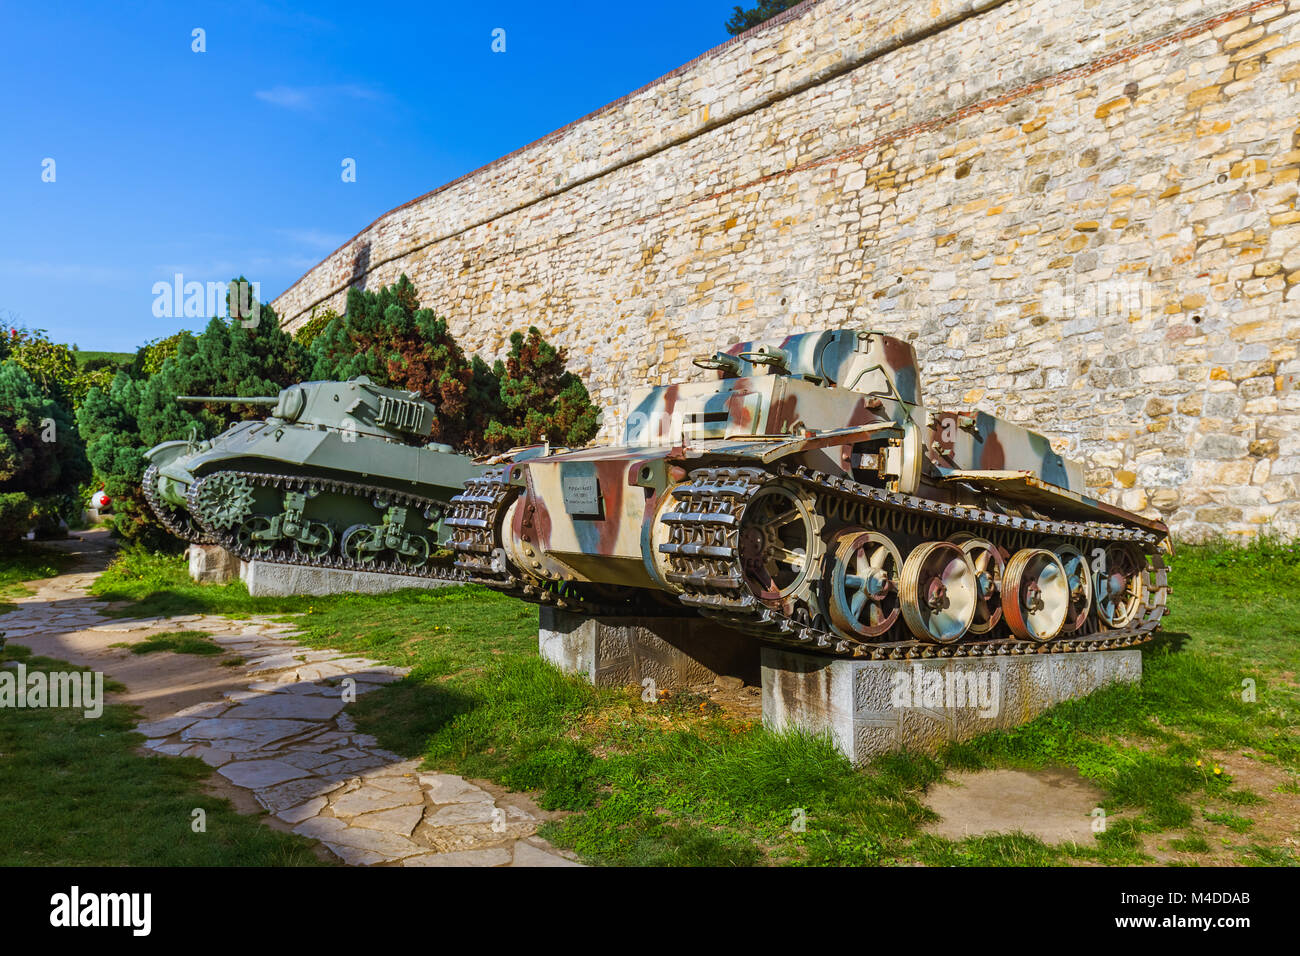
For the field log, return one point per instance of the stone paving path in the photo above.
(285, 737)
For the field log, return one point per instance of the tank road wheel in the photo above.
(419, 546)
(1035, 594)
(248, 533)
(1118, 587)
(1079, 578)
(224, 500)
(359, 544)
(321, 546)
(938, 593)
(990, 565)
(781, 547)
(863, 598)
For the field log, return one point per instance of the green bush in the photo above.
(529, 398)
(42, 458)
(16, 511)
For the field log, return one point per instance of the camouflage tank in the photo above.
(335, 477)
(804, 494)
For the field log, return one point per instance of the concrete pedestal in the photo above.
(265, 579)
(675, 652)
(212, 564)
(874, 707)
(867, 707)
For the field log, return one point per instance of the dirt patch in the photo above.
(1275, 821)
(1054, 805)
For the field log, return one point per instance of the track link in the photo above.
(177, 522)
(476, 518)
(704, 553)
(286, 555)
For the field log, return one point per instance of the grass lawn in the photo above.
(30, 564)
(680, 782)
(121, 358)
(77, 793)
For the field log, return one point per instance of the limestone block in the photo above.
(265, 579)
(874, 707)
(212, 564)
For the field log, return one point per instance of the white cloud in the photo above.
(313, 237)
(311, 97)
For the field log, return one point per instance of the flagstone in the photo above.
(336, 832)
(305, 759)
(289, 706)
(172, 750)
(457, 814)
(294, 793)
(399, 820)
(209, 755)
(492, 856)
(372, 799)
(304, 811)
(528, 855)
(165, 727)
(259, 731)
(255, 774)
(448, 788)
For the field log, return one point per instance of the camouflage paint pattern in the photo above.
(842, 402)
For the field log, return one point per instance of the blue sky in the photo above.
(228, 161)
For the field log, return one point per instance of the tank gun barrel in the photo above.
(231, 399)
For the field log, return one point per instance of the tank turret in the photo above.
(803, 492)
(340, 474)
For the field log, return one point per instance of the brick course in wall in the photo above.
(1082, 213)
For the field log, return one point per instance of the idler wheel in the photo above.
(863, 594)
(938, 592)
(1035, 595)
(1118, 587)
(990, 564)
(1079, 578)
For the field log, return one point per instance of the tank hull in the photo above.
(810, 513)
(336, 483)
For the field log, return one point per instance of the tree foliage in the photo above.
(53, 366)
(542, 400)
(742, 20)
(314, 326)
(149, 357)
(42, 458)
(389, 337)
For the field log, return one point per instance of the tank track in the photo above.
(703, 550)
(475, 515)
(281, 555)
(176, 522)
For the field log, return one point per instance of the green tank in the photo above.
(337, 476)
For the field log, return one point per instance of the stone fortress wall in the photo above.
(1082, 213)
